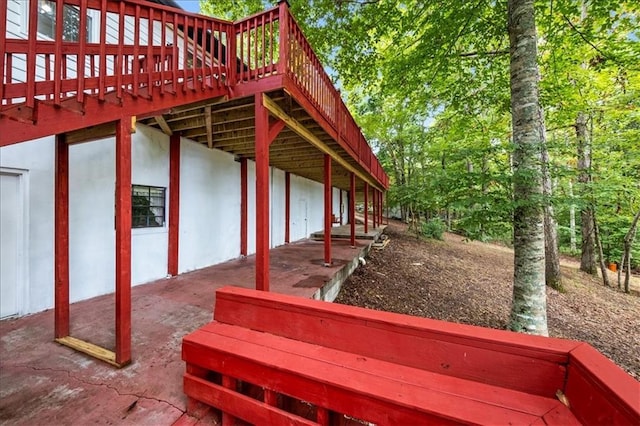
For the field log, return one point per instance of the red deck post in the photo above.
(366, 207)
(287, 206)
(62, 238)
(243, 206)
(174, 203)
(123, 241)
(352, 208)
(262, 194)
(328, 201)
(283, 19)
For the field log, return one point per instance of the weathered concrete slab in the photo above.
(42, 382)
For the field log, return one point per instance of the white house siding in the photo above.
(209, 211)
(18, 27)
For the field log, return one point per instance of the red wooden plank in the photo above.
(599, 392)
(123, 241)
(82, 42)
(174, 204)
(58, 58)
(361, 395)
(31, 53)
(476, 391)
(274, 130)
(328, 202)
(519, 362)
(62, 238)
(243, 206)
(287, 206)
(283, 57)
(262, 194)
(53, 120)
(352, 208)
(103, 49)
(560, 415)
(240, 406)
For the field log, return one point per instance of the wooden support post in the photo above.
(123, 241)
(352, 208)
(366, 207)
(323, 417)
(243, 207)
(62, 238)
(262, 194)
(174, 203)
(287, 207)
(328, 201)
(229, 383)
(270, 397)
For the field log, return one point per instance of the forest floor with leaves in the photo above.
(471, 283)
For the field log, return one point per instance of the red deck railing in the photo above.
(140, 45)
(144, 45)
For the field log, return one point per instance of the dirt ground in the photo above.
(471, 283)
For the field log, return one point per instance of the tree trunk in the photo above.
(529, 307)
(553, 277)
(572, 219)
(603, 267)
(628, 242)
(588, 256)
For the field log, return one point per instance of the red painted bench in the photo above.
(265, 353)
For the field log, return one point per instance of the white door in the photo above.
(303, 218)
(11, 233)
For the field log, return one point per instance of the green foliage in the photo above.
(429, 85)
(433, 228)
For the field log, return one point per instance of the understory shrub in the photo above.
(434, 228)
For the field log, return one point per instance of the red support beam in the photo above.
(243, 206)
(174, 203)
(262, 194)
(352, 208)
(274, 130)
(123, 241)
(328, 201)
(366, 207)
(287, 206)
(62, 238)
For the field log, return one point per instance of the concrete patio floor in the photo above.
(44, 383)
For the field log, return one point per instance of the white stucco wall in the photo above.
(209, 211)
(209, 207)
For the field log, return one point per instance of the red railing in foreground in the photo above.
(143, 45)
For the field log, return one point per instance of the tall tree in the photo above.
(588, 252)
(553, 277)
(529, 306)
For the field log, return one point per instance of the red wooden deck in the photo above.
(151, 75)
(265, 353)
(154, 64)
